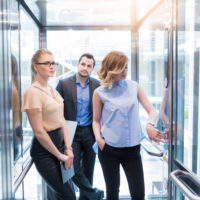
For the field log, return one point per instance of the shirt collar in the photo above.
(120, 83)
(78, 82)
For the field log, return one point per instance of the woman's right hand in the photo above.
(65, 159)
(101, 142)
(62, 157)
(154, 134)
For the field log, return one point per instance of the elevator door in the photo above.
(186, 140)
(154, 79)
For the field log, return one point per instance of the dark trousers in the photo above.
(84, 160)
(49, 168)
(130, 159)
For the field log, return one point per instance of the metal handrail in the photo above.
(185, 189)
(22, 175)
(149, 148)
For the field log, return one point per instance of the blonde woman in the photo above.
(117, 128)
(44, 107)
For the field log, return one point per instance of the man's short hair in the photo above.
(89, 56)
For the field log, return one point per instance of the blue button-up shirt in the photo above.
(120, 122)
(83, 117)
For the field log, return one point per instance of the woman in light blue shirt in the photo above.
(117, 127)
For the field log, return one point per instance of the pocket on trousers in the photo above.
(104, 148)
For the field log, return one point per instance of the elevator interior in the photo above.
(162, 41)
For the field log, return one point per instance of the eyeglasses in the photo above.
(48, 64)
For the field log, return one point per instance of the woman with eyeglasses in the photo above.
(44, 108)
(117, 128)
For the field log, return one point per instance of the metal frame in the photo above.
(195, 111)
(6, 137)
(184, 188)
(171, 72)
(1, 106)
(174, 163)
(28, 10)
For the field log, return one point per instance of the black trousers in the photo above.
(84, 160)
(130, 159)
(49, 167)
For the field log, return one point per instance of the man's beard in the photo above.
(83, 76)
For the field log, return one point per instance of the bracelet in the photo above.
(151, 123)
(68, 148)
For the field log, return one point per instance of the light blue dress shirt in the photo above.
(83, 117)
(120, 122)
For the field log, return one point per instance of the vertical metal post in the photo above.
(43, 38)
(6, 105)
(171, 94)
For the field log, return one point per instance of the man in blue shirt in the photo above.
(77, 92)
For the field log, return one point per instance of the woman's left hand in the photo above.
(154, 134)
(69, 162)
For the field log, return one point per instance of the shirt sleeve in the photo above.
(31, 100)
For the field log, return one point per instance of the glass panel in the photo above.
(151, 79)
(75, 43)
(153, 73)
(188, 56)
(144, 6)
(84, 13)
(33, 185)
(16, 88)
(16, 91)
(34, 6)
(19, 193)
(29, 43)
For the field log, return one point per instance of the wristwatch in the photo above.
(151, 123)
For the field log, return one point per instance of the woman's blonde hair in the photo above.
(112, 64)
(35, 59)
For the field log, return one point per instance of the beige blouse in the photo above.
(51, 107)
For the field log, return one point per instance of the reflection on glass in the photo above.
(17, 130)
(16, 91)
(29, 44)
(187, 123)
